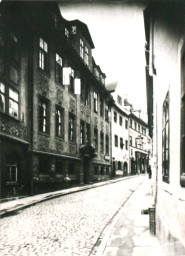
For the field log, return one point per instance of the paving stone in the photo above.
(66, 225)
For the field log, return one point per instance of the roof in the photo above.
(112, 86)
(84, 29)
(141, 121)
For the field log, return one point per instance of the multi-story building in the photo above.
(138, 142)
(130, 139)
(120, 132)
(165, 72)
(55, 109)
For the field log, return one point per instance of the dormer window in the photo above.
(86, 55)
(73, 29)
(102, 79)
(96, 72)
(81, 49)
(67, 33)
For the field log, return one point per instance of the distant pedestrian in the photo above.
(149, 172)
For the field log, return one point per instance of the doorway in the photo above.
(86, 167)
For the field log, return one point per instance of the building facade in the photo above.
(55, 109)
(165, 36)
(138, 145)
(130, 138)
(120, 131)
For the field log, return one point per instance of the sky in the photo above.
(117, 30)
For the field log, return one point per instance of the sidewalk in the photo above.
(128, 234)
(15, 205)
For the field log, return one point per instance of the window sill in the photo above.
(59, 138)
(44, 134)
(11, 117)
(44, 72)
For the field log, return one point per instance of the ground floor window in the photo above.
(44, 165)
(102, 170)
(60, 166)
(12, 173)
(107, 170)
(95, 170)
(71, 168)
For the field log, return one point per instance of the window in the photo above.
(126, 124)
(126, 144)
(135, 125)
(82, 132)
(165, 140)
(130, 140)
(106, 113)
(120, 120)
(59, 166)
(95, 102)
(95, 170)
(71, 128)
(2, 97)
(101, 107)
(87, 133)
(86, 55)
(102, 170)
(84, 96)
(119, 100)
(119, 165)
(116, 140)
(115, 116)
(71, 79)
(131, 123)
(12, 173)
(139, 128)
(144, 131)
(59, 122)
(136, 142)
(43, 55)
(44, 165)
(13, 46)
(107, 145)
(71, 167)
(96, 139)
(121, 143)
(107, 170)
(81, 49)
(13, 103)
(43, 116)
(102, 142)
(67, 33)
(14, 75)
(58, 69)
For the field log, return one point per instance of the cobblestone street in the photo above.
(65, 226)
